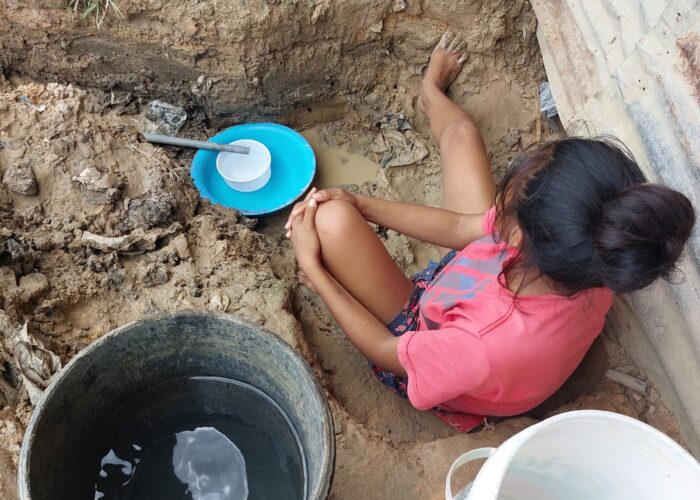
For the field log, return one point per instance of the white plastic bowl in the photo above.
(245, 173)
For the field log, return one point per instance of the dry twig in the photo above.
(169, 170)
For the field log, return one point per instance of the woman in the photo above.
(504, 319)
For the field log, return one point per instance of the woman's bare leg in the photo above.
(356, 257)
(467, 182)
(350, 249)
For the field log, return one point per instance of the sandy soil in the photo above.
(338, 67)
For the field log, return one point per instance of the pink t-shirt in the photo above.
(477, 354)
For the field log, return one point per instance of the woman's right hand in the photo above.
(320, 197)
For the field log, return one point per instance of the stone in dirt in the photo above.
(98, 188)
(249, 222)
(154, 275)
(14, 248)
(21, 180)
(219, 302)
(149, 212)
(165, 118)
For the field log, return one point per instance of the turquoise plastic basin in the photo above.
(292, 169)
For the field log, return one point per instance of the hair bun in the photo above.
(641, 235)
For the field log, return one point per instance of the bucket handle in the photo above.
(462, 460)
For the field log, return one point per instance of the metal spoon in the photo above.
(191, 143)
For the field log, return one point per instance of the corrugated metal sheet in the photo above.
(631, 68)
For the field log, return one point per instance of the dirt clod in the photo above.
(20, 179)
(32, 286)
(150, 212)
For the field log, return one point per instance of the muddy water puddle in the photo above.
(337, 167)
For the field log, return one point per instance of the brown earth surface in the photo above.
(334, 67)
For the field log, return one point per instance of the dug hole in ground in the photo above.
(98, 228)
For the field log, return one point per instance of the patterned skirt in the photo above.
(407, 321)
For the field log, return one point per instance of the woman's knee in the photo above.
(335, 220)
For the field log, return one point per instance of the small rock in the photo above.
(166, 118)
(248, 222)
(115, 279)
(14, 248)
(98, 188)
(155, 275)
(32, 286)
(149, 212)
(203, 85)
(160, 277)
(219, 302)
(21, 180)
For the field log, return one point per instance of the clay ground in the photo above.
(339, 67)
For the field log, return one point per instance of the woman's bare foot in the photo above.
(445, 63)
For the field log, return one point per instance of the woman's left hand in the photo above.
(307, 246)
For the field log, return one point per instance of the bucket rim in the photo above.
(327, 470)
(507, 450)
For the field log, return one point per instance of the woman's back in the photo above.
(479, 349)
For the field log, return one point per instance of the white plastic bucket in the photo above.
(245, 173)
(583, 455)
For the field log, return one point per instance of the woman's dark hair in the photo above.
(589, 218)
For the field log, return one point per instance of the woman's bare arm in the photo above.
(362, 328)
(438, 226)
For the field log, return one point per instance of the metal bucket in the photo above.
(151, 351)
